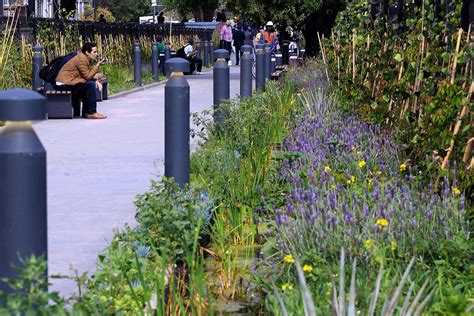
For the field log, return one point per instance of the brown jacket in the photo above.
(77, 70)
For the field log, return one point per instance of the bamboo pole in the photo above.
(353, 55)
(455, 61)
(464, 112)
(468, 150)
(323, 54)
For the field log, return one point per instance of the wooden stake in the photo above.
(464, 112)
(468, 150)
(323, 54)
(353, 54)
(455, 62)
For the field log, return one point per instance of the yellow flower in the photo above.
(307, 268)
(369, 243)
(403, 167)
(359, 153)
(289, 259)
(327, 169)
(351, 180)
(361, 164)
(393, 245)
(456, 191)
(369, 181)
(378, 173)
(298, 94)
(333, 186)
(287, 287)
(353, 148)
(381, 222)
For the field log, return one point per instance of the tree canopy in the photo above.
(128, 10)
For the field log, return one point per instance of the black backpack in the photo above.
(49, 72)
(180, 52)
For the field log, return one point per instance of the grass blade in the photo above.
(424, 303)
(351, 310)
(308, 302)
(342, 294)
(398, 291)
(280, 300)
(373, 303)
(417, 298)
(406, 302)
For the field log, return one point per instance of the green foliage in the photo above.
(235, 162)
(128, 10)
(185, 7)
(404, 78)
(169, 216)
(294, 12)
(30, 289)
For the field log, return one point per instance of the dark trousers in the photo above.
(85, 92)
(237, 54)
(228, 46)
(195, 64)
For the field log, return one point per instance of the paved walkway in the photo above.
(97, 167)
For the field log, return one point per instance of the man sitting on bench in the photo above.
(187, 52)
(76, 76)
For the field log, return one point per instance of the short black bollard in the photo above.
(246, 63)
(279, 59)
(303, 53)
(273, 64)
(167, 51)
(177, 128)
(155, 62)
(260, 67)
(198, 49)
(205, 59)
(137, 64)
(211, 53)
(268, 65)
(37, 64)
(167, 56)
(221, 84)
(293, 60)
(23, 208)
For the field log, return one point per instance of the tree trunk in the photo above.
(322, 22)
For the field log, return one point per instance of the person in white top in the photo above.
(190, 55)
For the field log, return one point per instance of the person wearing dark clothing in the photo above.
(187, 52)
(248, 36)
(239, 37)
(102, 19)
(161, 18)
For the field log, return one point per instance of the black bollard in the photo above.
(293, 60)
(23, 208)
(303, 53)
(211, 53)
(162, 63)
(279, 59)
(221, 84)
(167, 56)
(260, 67)
(205, 59)
(268, 65)
(137, 64)
(177, 128)
(37, 64)
(155, 62)
(198, 49)
(167, 51)
(273, 64)
(246, 63)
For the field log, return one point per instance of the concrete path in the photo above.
(97, 167)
